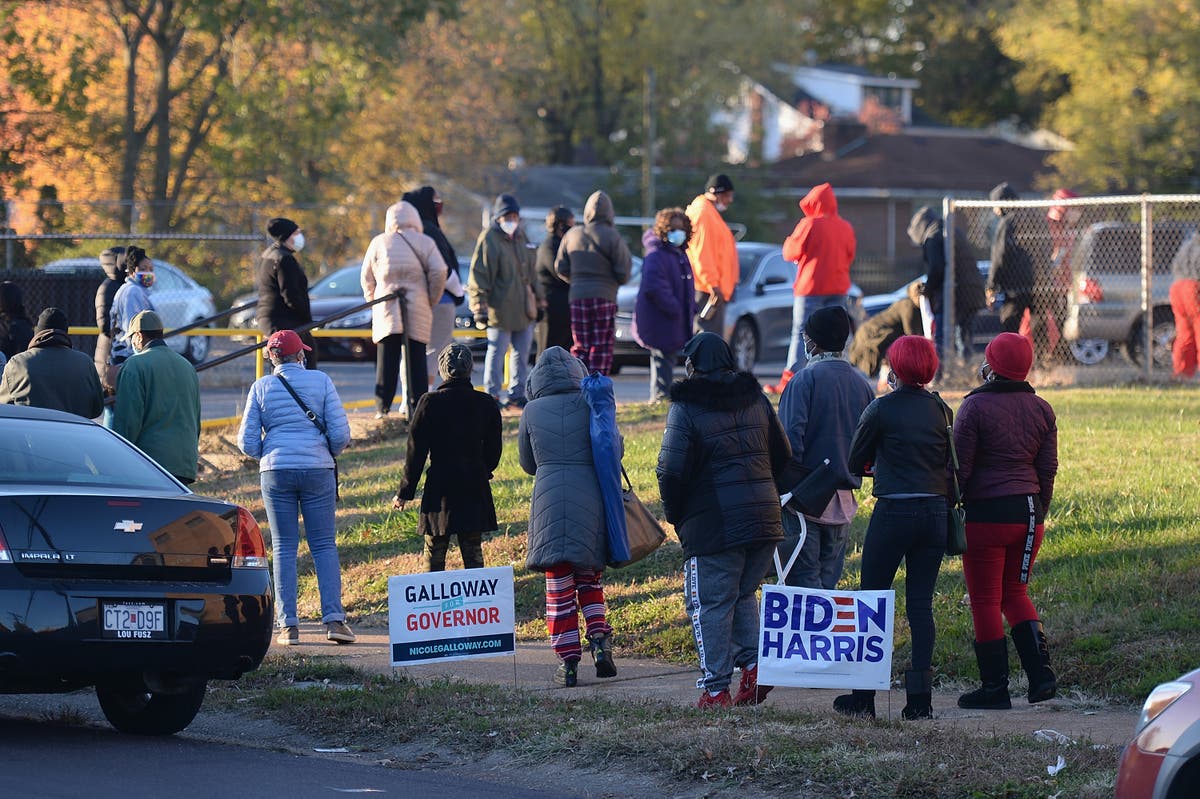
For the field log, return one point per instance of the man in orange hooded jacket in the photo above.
(713, 252)
(822, 247)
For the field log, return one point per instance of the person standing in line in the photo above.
(51, 374)
(158, 400)
(458, 429)
(713, 253)
(568, 539)
(595, 260)
(503, 294)
(822, 246)
(131, 298)
(1011, 276)
(666, 300)
(902, 440)
(112, 261)
(1185, 305)
(1007, 442)
(429, 207)
(402, 258)
(722, 451)
(283, 287)
(927, 231)
(298, 474)
(554, 329)
(16, 330)
(820, 409)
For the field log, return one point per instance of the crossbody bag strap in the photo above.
(420, 260)
(953, 451)
(312, 417)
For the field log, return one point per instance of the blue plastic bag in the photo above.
(606, 455)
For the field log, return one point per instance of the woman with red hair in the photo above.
(902, 442)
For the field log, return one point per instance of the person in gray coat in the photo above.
(567, 535)
(50, 374)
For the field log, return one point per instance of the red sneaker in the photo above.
(750, 692)
(708, 701)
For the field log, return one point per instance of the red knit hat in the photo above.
(1010, 355)
(913, 359)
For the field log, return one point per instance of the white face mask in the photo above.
(508, 226)
(677, 237)
(298, 241)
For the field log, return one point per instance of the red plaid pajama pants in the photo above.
(568, 590)
(594, 328)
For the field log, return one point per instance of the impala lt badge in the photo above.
(127, 526)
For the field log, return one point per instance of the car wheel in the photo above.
(133, 708)
(197, 348)
(1089, 351)
(744, 343)
(360, 349)
(1162, 337)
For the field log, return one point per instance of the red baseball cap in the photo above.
(286, 342)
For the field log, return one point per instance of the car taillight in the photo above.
(5, 555)
(1089, 291)
(249, 549)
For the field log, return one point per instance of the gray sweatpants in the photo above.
(719, 595)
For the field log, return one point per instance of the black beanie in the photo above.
(51, 319)
(505, 204)
(829, 328)
(280, 228)
(718, 183)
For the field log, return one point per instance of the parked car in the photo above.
(177, 298)
(1163, 759)
(758, 320)
(1105, 305)
(114, 575)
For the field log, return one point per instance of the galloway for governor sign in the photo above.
(810, 638)
(451, 615)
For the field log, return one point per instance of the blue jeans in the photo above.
(820, 562)
(802, 308)
(287, 493)
(518, 364)
(662, 374)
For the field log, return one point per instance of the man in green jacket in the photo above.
(158, 400)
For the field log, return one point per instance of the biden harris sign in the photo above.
(451, 615)
(809, 638)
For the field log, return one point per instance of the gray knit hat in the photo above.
(455, 362)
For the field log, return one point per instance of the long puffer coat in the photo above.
(566, 522)
(403, 258)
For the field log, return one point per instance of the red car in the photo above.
(1163, 759)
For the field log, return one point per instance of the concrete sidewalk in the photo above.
(641, 680)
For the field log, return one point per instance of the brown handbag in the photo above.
(531, 302)
(644, 532)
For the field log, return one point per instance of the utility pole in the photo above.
(650, 134)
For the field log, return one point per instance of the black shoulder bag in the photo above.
(312, 417)
(956, 515)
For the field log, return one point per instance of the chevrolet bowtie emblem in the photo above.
(127, 526)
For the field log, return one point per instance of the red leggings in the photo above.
(563, 583)
(992, 568)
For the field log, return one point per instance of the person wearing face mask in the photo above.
(666, 300)
(713, 253)
(504, 296)
(554, 329)
(158, 400)
(283, 286)
(132, 297)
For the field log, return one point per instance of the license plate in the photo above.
(134, 621)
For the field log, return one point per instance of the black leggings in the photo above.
(912, 530)
(387, 370)
(469, 544)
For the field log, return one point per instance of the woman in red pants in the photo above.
(1007, 442)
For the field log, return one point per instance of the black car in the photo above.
(115, 575)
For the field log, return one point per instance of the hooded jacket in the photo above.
(422, 200)
(16, 330)
(822, 246)
(666, 300)
(721, 452)
(927, 231)
(50, 374)
(106, 292)
(712, 249)
(282, 290)
(1012, 270)
(402, 257)
(593, 257)
(566, 519)
(501, 267)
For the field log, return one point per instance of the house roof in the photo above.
(924, 160)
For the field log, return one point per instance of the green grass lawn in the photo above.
(1115, 581)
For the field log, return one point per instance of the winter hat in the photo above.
(51, 319)
(829, 328)
(913, 359)
(708, 353)
(286, 342)
(718, 183)
(146, 322)
(505, 204)
(281, 228)
(455, 361)
(112, 261)
(1010, 355)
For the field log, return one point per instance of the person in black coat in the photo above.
(16, 329)
(112, 261)
(458, 429)
(283, 286)
(927, 231)
(554, 329)
(1011, 273)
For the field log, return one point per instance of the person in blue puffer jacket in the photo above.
(298, 475)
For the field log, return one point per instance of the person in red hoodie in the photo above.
(822, 247)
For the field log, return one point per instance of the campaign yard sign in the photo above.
(451, 615)
(809, 638)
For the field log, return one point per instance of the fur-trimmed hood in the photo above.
(724, 391)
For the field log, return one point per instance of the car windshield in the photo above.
(342, 283)
(58, 453)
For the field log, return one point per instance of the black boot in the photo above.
(1030, 641)
(992, 657)
(856, 703)
(919, 687)
(602, 655)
